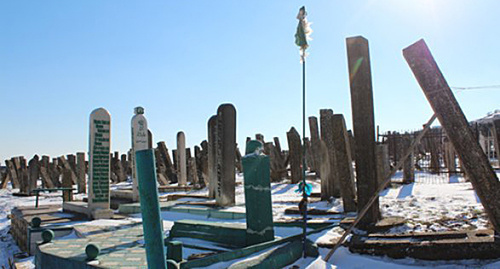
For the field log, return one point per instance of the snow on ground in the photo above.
(432, 203)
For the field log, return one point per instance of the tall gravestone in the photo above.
(363, 126)
(330, 182)
(383, 165)
(409, 163)
(258, 204)
(181, 159)
(295, 150)
(212, 153)
(34, 172)
(99, 163)
(343, 164)
(80, 172)
(315, 144)
(140, 141)
(225, 155)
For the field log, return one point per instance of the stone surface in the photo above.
(295, 151)
(331, 183)
(226, 155)
(181, 159)
(212, 154)
(343, 163)
(99, 159)
(363, 126)
(80, 172)
(315, 144)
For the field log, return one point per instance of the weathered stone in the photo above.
(204, 161)
(383, 165)
(99, 161)
(33, 173)
(225, 155)
(443, 102)
(409, 164)
(315, 144)
(162, 147)
(67, 182)
(332, 184)
(324, 170)
(193, 174)
(11, 170)
(80, 173)
(295, 150)
(65, 164)
(212, 154)
(181, 159)
(363, 126)
(343, 164)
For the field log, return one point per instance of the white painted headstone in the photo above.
(99, 159)
(139, 142)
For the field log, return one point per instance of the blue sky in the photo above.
(59, 60)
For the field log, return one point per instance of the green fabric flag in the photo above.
(302, 31)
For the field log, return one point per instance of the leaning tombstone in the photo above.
(295, 149)
(140, 141)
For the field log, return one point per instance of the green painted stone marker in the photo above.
(257, 194)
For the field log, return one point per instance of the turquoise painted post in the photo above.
(150, 208)
(258, 202)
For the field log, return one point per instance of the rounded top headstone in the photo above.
(139, 110)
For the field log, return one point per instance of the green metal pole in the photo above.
(304, 194)
(150, 208)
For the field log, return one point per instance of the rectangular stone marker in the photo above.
(65, 164)
(204, 161)
(449, 156)
(383, 165)
(258, 203)
(181, 159)
(12, 173)
(331, 181)
(22, 173)
(193, 173)
(67, 182)
(496, 137)
(343, 161)
(140, 141)
(80, 173)
(162, 147)
(315, 144)
(225, 155)
(363, 125)
(99, 160)
(212, 154)
(295, 149)
(450, 115)
(33, 172)
(409, 164)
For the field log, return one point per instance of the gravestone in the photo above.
(22, 173)
(295, 151)
(383, 165)
(449, 156)
(211, 158)
(33, 173)
(315, 144)
(162, 147)
(65, 165)
(331, 184)
(450, 115)
(140, 141)
(80, 172)
(67, 182)
(181, 159)
(99, 163)
(409, 164)
(496, 137)
(193, 173)
(226, 155)
(204, 161)
(343, 164)
(324, 169)
(258, 203)
(363, 126)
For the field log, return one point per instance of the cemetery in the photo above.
(216, 206)
(338, 193)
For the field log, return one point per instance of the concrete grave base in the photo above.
(82, 208)
(454, 245)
